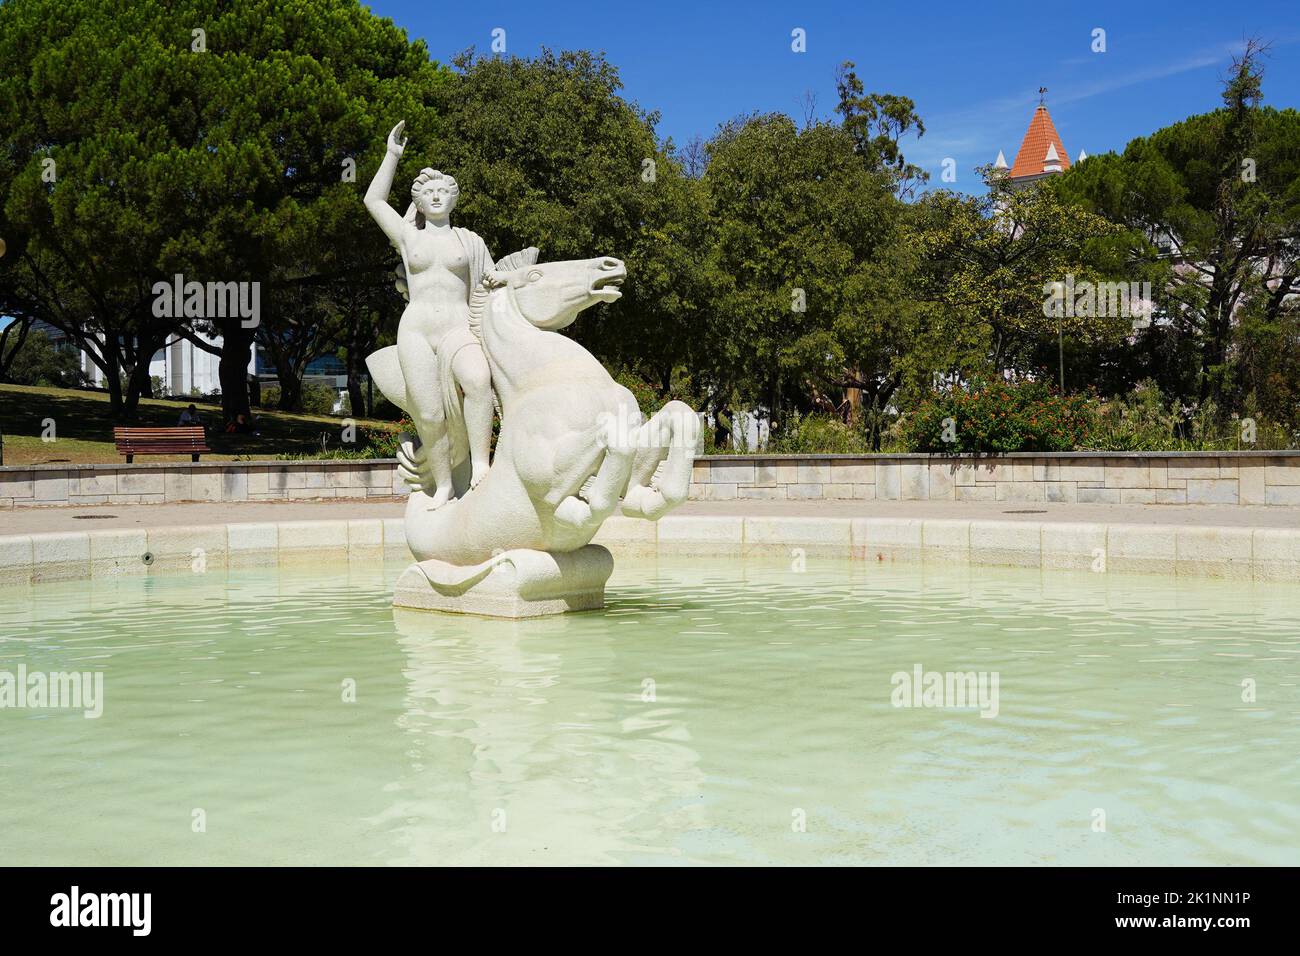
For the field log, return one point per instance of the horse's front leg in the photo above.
(661, 474)
(554, 468)
(598, 496)
(558, 467)
(591, 469)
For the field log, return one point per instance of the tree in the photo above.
(194, 137)
(36, 361)
(878, 122)
(985, 262)
(1221, 191)
(799, 268)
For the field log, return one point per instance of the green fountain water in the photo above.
(714, 712)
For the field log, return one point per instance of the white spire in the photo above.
(1083, 154)
(1052, 155)
(1000, 162)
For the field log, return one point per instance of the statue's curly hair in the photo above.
(429, 175)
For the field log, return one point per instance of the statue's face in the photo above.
(551, 294)
(437, 199)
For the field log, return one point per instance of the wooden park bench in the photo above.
(181, 440)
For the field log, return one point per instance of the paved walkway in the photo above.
(97, 517)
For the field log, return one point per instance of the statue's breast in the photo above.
(428, 252)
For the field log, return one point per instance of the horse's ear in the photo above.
(517, 260)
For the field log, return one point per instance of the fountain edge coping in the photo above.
(1238, 553)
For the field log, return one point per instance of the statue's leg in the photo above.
(605, 488)
(475, 380)
(558, 466)
(661, 474)
(598, 496)
(644, 465)
(419, 364)
(440, 459)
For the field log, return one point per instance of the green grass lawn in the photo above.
(83, 428)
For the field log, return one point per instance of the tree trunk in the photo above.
(290, 388)
(357, 397)
(232, 369)
(853, 396)
(1214, 348)
(113, 377)
(22, 327)
(137, 384)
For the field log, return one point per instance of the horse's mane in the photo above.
(478, 298)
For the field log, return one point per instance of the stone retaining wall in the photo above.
(154, 483)
(1240, 553)
(1229, 478)
(1188, 478)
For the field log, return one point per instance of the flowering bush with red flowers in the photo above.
(988, 417)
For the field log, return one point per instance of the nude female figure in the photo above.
(435, 347)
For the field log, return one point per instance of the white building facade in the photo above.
(178, 368)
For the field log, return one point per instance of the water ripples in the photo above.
(701, 716)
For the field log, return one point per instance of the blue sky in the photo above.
(973, 68)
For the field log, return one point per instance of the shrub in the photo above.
(988, 417)
(819, 434)
(318, 398)
(382, 443)
(370, 443)
(40, 362)
(1143, 420)
(1138, 421)
(647, 398)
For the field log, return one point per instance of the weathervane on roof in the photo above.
(1042, 96)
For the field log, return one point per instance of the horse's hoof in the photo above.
(573, 512)
(643, 501)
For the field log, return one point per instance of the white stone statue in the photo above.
(515, 541)
(441, 263)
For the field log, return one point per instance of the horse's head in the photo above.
(551, 294)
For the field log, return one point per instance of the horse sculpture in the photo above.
(572, 443)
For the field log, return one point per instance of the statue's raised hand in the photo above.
(396, 141)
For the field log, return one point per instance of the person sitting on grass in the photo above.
(190, 416)
(240, 425)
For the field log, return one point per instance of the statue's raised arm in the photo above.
(377, 195)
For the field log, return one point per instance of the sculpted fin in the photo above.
(386, 372)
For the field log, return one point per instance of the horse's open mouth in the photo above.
(607, 287)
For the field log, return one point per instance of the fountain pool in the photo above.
(716, 711)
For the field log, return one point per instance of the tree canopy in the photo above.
(776, 267)
(1216, 198)
(200, 138)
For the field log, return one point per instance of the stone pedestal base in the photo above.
(514, 584)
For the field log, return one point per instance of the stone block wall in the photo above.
(39, 485)
(1189, 478)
